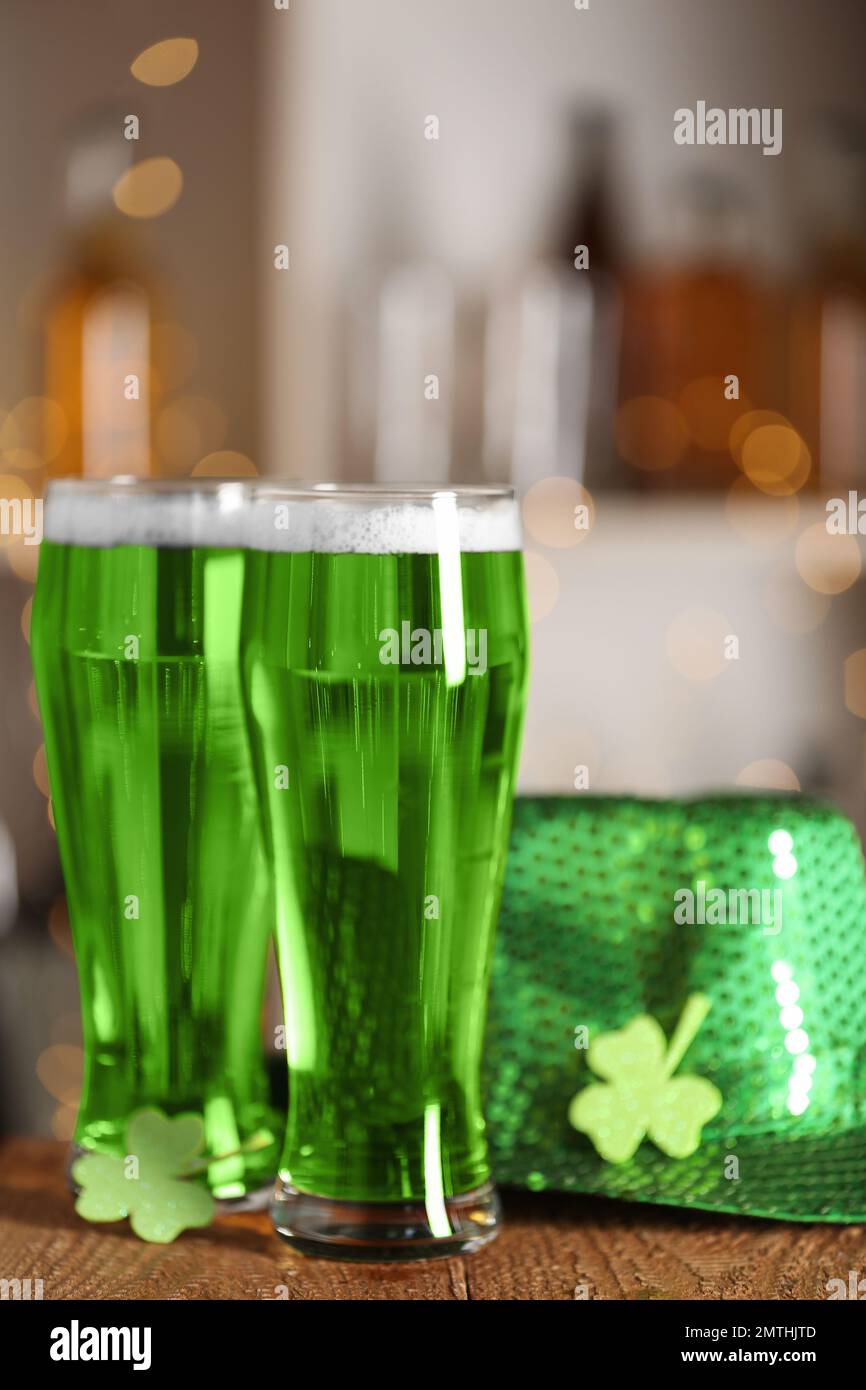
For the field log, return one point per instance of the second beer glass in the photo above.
(385, 659)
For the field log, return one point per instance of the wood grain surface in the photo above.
(551, 1248)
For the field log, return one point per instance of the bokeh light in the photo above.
(225, 463)
(796, 1041)
(787, 992)
(802, 1075)
(791, 1017)
(166, 62)
(828, 564)
(23, 460)
(63, 1122)
(550, 512)
(542, 585)
(746, 424)
(60, 1068)
(781, 846)
(149, 188)
(776, 459)
(58, 927)
(40, 771)
(769, 774)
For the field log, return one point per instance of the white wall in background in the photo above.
(605, 693)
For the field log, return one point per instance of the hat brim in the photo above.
(804, 1177)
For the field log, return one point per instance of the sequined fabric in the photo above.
(587, 939)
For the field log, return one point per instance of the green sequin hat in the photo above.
(678, 1010)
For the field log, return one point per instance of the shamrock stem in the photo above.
(696, 1009)
(252, 1145)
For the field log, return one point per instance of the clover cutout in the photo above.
(642, 1098)
(148, 1185)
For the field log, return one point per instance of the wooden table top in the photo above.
(552, 1247)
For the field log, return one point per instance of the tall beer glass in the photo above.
(385, 663)
(135, 637)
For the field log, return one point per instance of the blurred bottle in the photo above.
(552, 341)
(98, 343)
(400, 374)
(828, 316)
(702, 344)
(587, 216)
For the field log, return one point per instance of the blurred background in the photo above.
(384, 239)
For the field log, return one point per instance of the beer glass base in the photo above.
(257, 1199)
(383, 1231)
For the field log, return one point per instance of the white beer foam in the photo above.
(242, 516)
(106, 517)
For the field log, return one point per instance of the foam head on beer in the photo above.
(270, 518)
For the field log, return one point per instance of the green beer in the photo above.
(135, 636)
(385, 663)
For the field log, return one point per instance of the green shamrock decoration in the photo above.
(643, 1097)
(151, 1191)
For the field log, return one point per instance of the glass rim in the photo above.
(257, 488)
